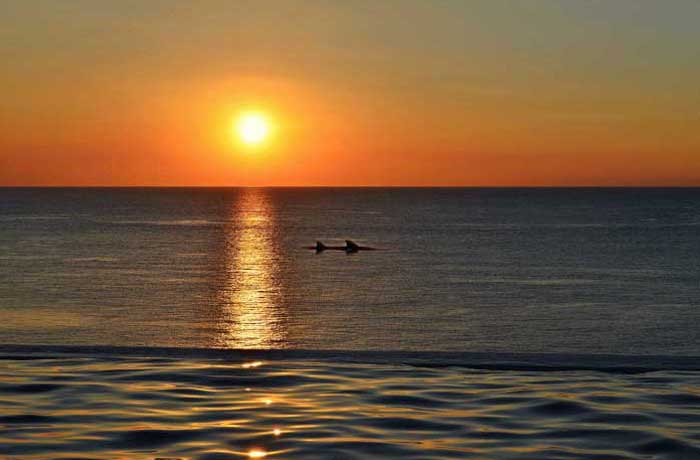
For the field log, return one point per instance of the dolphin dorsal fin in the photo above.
(351, 246)
(320, 246)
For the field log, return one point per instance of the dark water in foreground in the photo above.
(526, 270)
(135, 407)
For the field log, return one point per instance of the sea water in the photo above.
(526, 270)
(491, 323)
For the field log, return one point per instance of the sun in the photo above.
(252, 128)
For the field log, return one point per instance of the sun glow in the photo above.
(252, 128)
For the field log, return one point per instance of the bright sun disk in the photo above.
(252, 128)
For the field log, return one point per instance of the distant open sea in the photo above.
(514, 323)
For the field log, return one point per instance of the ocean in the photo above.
(195, 323)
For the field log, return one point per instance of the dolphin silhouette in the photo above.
(350, 247)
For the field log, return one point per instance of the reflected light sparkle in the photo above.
(252, 315)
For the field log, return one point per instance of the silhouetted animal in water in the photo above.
(350, 246)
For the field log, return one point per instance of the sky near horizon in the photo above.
(409, 92)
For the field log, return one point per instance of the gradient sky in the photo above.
(362, 92)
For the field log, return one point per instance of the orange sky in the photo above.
(361, 93)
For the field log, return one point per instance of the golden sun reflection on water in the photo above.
(257, 453)
(251, 316)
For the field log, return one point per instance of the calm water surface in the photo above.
(526, 270)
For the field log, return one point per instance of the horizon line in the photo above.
(2, 186)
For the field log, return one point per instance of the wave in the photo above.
(20, 218)
(91, 259)
(572, 226)
(141, 408)
(180, 222)
(28, 257)
(433, 359)
(530, 282)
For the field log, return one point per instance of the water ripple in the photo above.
(68, 407)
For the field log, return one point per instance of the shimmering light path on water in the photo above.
(76, 406)
(478, 270)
